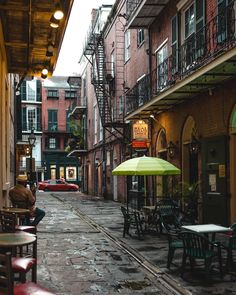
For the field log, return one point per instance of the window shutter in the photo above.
(174, 43)
(23, 90)
(38, 120)
(39, 94)
(200, 14)
(24, 122)
(200, 31)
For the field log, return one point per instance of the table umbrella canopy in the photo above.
(146, 166)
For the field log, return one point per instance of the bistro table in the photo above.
(19, 239)
(206, 229)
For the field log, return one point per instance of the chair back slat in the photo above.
(6, 277)
(8, 221)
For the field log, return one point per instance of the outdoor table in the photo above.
(19, 212)
(14, 240)
(206, 229)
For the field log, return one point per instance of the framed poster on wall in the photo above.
(71, 173)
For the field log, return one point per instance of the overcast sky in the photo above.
(77, 28)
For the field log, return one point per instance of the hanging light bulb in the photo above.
(58, 13)
(44, 71)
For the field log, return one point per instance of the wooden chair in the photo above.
(6, 220)
(197, 246)
(7, 286)
(22, 260)
(132, 219)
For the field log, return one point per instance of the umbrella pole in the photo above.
(145, 190)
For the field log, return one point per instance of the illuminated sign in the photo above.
(140, 130)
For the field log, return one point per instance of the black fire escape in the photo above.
(101, 78)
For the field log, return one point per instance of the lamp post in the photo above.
(31, 140)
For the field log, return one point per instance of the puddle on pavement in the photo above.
(132, 285)
(129, 270)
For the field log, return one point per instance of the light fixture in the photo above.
(171, 149)
(58, 13)
(32, 138)
(194, 146)
(45, 71)
(43, 76)
(54, 23)
(50, 49)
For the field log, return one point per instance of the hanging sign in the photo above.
(140, 130)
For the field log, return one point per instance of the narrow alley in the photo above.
(81, 251)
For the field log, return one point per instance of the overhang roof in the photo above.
(27, 34)
(206, 79)
(142, 13)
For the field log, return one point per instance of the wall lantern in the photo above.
(54, 23)
(58, 13)
(194, 146)
(32, 139)
(171, 149)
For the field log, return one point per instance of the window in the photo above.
(162, 67)
(140, 37)
(52, 94)
(52, 143)
(194, 33)
(31, 114)
(127, 45)
(52, 120)
(31, 90)
(95, 124)
(189, 21)
(70, 94)
(112, 65)
(121, 104)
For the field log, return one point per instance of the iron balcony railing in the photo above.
(28, 126)
(215, 38)
(131, 6)
(38, 165)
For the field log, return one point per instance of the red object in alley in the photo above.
(57, 185)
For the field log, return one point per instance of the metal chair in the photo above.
(132, 218)
(197, 246)
(7, 284)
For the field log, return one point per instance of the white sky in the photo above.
(77, 29)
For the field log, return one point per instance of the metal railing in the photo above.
(215, 38)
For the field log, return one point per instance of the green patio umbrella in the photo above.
(144, 166)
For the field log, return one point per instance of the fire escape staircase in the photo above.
(95, 49)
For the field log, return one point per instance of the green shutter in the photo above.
(23, 90)
(174, 43)
(38, 126)
(24, 122)
(38, 94)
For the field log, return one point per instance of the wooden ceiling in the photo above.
(27, 33)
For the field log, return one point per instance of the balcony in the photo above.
(142, 13)
(204, 62)
(78, 109)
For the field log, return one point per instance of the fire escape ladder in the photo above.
(99, 81)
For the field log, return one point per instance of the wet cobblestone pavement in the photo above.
(75, 257)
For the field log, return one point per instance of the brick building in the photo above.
(171, 65)
(58, 99)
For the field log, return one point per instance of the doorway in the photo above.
(215, 195)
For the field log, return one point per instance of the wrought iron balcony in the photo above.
(28, 126)
(206, 50)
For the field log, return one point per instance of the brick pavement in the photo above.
(61, 219)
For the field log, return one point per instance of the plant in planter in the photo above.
(77, 141)
(188, 195)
